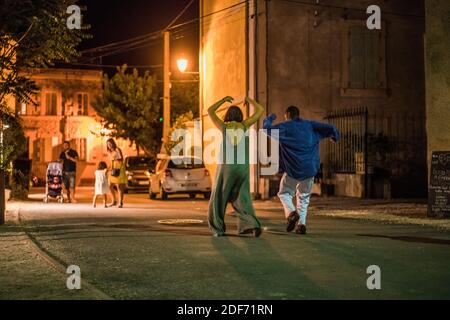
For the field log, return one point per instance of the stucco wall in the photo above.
(438, 75)
(306, 65)
(300, 58)
(222, 55)
(349, 185)
(306, 51)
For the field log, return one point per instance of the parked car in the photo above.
(137, 169)
(172, 177)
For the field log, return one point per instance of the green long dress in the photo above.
(232, 185)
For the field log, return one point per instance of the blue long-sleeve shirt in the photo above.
(299, 144)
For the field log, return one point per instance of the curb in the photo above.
(52, 261)
(392, 219)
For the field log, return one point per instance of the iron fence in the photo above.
(349, 155)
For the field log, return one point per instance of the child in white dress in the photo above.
(101, 184)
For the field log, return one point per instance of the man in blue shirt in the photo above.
(299, 161)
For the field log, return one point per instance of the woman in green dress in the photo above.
(116, 183)
(232, 177)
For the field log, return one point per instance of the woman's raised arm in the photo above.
(259, 109)
(212, 111)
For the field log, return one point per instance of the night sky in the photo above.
(117, 20)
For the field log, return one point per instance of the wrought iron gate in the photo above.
(350, 154)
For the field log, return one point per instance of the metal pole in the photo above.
(366, 156)
(166, 94)
(2, 178)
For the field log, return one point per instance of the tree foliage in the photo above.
(184, 98)
(179, 123)
(14, 140)
(129, 107)
(33, 34)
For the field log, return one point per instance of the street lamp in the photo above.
(182, 64)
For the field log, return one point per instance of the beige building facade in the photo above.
(320, 56)
(63, 112)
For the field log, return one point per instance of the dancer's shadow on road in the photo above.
(263, 272)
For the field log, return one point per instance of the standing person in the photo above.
(69, 159)
(232, 179)
(299, 160)
(117, 177)
(101, 184)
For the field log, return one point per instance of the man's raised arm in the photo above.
(326, 130)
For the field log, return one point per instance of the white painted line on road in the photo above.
(180, 221)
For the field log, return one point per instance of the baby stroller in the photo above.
(53, 185)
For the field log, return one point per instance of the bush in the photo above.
(14, 146)
(20, 185)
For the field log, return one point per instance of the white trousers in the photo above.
(301, 189)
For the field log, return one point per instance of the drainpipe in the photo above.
(252, 78)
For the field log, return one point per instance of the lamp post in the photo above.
(182, 65)
(2, 175)
(166, 91)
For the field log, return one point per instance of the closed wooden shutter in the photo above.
(83, 149)
(85, 104)
(364, 59)
(357, 58)
(50, 104)
(47, 104)
(372, 66)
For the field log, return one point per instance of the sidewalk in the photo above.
(398, 211)
(26, 275)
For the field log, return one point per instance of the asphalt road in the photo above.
(129, 254)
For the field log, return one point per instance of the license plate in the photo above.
(189, 184)
(143, 183)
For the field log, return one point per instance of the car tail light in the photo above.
(206, 173)
(167, 173)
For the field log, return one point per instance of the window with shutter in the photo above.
(372, 59)
(21, 108)
(365, 58)
(356, 58)
(82, 104)
(83, 149)
(50, 104)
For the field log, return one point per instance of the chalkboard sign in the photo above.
(439, 190)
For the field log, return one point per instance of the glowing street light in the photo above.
(182, 64)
